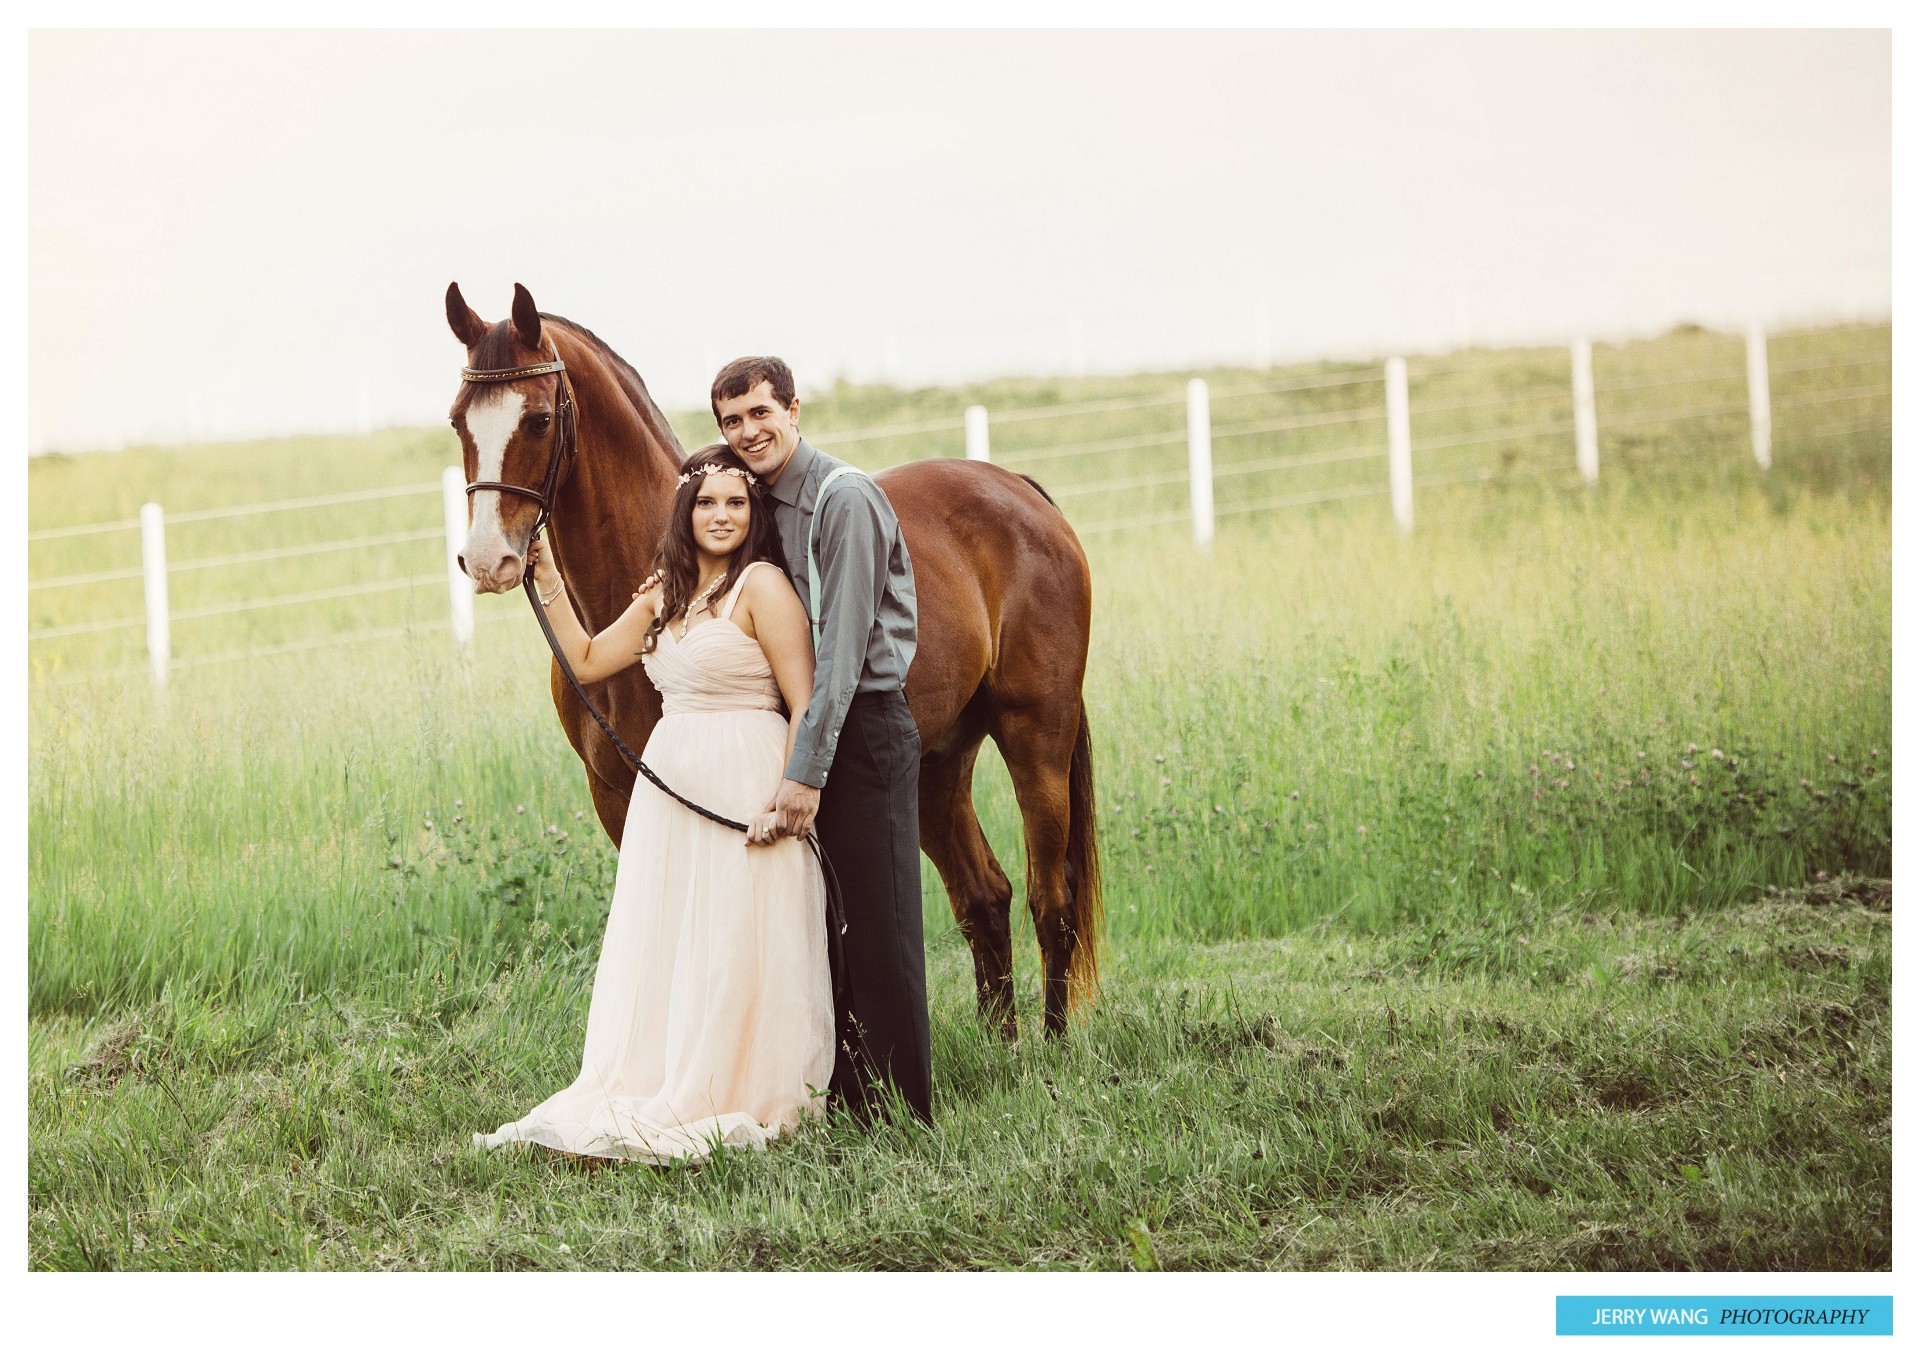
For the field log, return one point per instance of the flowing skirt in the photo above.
(712, 1013)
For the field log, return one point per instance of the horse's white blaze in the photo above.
(491, 425)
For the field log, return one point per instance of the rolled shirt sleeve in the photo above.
(851, 542)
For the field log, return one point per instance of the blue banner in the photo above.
(1720, 1316)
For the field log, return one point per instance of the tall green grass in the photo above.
(1318, 718)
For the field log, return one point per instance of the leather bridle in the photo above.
(566, 432)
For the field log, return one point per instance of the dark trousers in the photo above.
(869, 825)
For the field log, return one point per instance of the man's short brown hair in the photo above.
(740, 375)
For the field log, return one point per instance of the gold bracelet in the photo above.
(559, 585)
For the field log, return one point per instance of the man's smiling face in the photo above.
(764, 431)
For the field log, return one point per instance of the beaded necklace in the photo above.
(686, 616)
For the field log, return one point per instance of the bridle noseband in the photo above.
(565, 435)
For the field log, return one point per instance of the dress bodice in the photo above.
(717, 668)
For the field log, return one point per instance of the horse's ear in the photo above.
(526, 318)
(467, 326)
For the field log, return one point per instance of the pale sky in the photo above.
(235, 234)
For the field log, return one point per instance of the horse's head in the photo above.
(508, 432)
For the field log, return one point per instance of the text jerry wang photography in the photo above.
(1259, 652)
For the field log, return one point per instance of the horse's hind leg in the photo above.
(1037, 743)
(977, 887)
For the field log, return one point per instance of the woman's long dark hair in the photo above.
(678, 559)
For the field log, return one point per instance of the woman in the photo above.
(712, 1011)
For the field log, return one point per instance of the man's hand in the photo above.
(793, 808)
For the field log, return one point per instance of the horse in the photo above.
(1005, 608)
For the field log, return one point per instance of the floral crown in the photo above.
(702, 471)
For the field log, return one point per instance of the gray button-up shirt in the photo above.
(868, 621)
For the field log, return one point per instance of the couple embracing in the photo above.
(778, 629)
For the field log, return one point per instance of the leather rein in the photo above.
(559, 461)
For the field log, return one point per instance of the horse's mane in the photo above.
(630, 384)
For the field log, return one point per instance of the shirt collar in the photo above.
(793, 475)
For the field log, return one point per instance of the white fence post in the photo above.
(153, 564)
(453, 499)
(1759, 406)
(977, 432)
(1399, 444)
(1200, 460)
(1586, 424)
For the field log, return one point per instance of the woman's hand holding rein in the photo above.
(546, 578)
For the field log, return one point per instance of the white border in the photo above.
(920, 1310)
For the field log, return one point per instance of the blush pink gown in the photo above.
(712, 1013)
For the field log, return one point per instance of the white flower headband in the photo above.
(702, 472)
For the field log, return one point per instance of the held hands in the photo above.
(790, 813)
(793, 808)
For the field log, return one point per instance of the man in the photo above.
(855, 770)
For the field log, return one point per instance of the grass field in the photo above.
(1464, 888)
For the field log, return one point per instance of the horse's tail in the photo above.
(1083, 869)
(1083, 853)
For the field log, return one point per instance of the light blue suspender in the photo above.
(813, 564)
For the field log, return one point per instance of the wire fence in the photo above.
(1115, 465)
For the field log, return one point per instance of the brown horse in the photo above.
(1005, 603)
